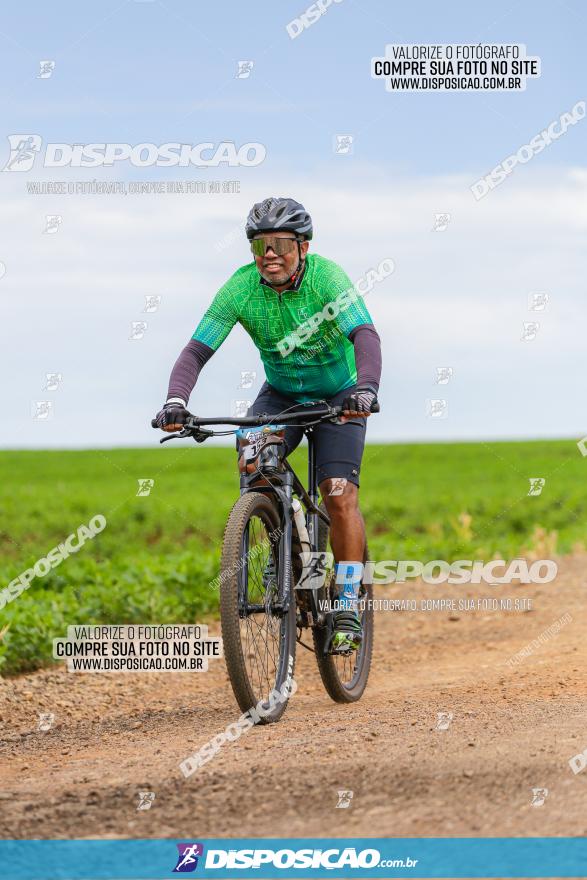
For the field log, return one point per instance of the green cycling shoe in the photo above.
(348, 632)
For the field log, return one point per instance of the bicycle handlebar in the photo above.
(323, 413)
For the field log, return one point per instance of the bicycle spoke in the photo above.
(261, 631)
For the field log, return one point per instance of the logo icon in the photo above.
(146, 799)
(245, 68)
(152, 303)
(138, 329)
(539, 795)
(316, 565)
(337, 485)
(443, 720)
(23, 149)
(437, 408)
(247, 378)
(145, 487)
(342, 144)
(344, 800)
(187, 860)
(530, 330)
(441, 222)
(536, 485)
(46, 720)
(443, 375)
(240, 407)
(52, 223)
(42, 410)
(53, 381)
(46, 69)
(537, 301)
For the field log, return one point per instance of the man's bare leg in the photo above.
(347, 529)
(347, 539)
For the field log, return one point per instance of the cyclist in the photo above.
(317, 342)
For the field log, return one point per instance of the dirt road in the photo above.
(512, 730)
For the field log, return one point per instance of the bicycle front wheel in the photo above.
(259, 636)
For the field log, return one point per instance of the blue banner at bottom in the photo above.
(293, 857)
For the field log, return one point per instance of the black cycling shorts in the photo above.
(339, 448)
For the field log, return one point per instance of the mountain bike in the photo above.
(276, 577)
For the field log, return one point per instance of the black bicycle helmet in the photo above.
(281, 214)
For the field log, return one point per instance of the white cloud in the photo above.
(457, 298)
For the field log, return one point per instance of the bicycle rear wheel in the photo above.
(259, 638)
(344, 675)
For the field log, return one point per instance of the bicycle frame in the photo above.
(284, 484)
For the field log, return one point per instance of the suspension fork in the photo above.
(285, 495)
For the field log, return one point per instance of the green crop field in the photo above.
(154, 561)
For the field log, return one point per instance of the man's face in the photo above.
(278, 269)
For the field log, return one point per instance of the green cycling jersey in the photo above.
(301, 334)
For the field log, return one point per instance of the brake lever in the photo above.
(183, 433)
(197, 434)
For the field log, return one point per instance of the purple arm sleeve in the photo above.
(367, 354)
(187, 369)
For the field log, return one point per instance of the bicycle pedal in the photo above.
(340, 644)
(342, 652)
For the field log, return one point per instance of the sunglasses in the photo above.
(279, 246)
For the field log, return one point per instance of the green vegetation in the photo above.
(154, 561)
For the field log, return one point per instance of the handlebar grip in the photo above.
(154, 423)
(375, 408)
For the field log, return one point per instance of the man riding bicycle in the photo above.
(317, 342)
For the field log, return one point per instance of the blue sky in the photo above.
(165, 72)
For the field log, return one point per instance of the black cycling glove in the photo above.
(173, 413)
(361, 400)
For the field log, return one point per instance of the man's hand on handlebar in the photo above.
(172, 417)
(360, 404)
(176, 421)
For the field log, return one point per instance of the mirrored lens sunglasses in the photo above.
(279, 246)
